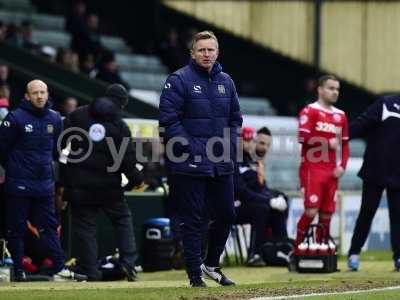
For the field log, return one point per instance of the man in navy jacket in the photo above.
(199, 118)
(28, 139)
(380, 125)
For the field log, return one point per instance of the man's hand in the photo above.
(334, 143)
(338, 172)
(60, 203)
(141, 187)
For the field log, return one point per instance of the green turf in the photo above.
(252, 282)
(379, 295)
(371, 256)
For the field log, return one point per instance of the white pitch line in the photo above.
(390, 288)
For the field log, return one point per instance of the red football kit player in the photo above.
(323, 133)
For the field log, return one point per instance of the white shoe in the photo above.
(215, 274)
(353, 262)
(66, 274)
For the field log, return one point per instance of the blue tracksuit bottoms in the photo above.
(40, 211)
(201, 200)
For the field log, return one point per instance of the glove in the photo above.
(278, 203)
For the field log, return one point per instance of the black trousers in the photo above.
(2, 213)
(85, 207)
(261, 217)
(257, 215)
(371, 196)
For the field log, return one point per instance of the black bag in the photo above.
(276, 253)
(309, 259)
(111, 269)
(157, 248)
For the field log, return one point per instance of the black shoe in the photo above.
(130, 273)
(197, 282)
(397, 265)
(19, 277)
(255, 261)
(215, 274)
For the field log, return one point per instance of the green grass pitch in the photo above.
(376, 271)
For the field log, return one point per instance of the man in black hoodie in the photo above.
(92, 181)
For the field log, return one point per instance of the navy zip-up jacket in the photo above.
(28, 143)
(380, 124)
(195, 106)
(248, 188)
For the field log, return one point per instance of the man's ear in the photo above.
(191, 53)
(26, 96)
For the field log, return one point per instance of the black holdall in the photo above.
(276, 253)
(313, 257)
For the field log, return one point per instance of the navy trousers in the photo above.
(371, 197)
(2, 213)
(256, 214)
(201, 200)
(41, 212)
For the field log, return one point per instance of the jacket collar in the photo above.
(216, 69)
(39, 112)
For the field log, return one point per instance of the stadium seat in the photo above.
(240, 242)
(17, 5)
(39, 21)
(144, 80)
(256, 106)
(140, 63)
(48, 22)
(115, 44)
(52, 38)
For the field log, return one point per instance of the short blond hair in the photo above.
(203, 35)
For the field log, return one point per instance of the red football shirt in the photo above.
(317, 125)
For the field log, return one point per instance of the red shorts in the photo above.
(319, 187)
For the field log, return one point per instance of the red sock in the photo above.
(302, 227)
(325, 221)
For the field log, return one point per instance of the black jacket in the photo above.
(103, 124)
(380, 124)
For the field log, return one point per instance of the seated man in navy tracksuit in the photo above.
(198, 107)
(265, 209)
(28, 142)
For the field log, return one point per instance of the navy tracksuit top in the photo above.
(28, 142)
(197, 105)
